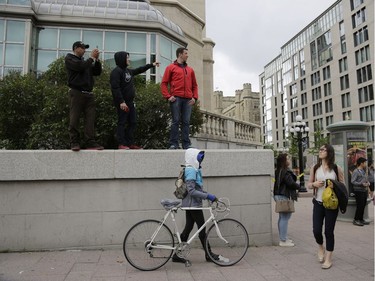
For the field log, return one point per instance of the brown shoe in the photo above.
(95, 146)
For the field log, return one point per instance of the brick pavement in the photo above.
(353, 260)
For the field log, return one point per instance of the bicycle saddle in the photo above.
(170, 203)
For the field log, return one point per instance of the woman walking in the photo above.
(284, 189)
(325, 169)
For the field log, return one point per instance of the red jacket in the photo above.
(181, 80)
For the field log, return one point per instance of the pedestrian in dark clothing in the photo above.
(361, 185)
(123, 92)
(81, 97)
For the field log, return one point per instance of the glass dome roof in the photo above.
(114, 9)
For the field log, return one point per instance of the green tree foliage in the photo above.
(35, 112)
(319, 140)
(21, 100)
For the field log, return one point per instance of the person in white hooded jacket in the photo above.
(194, 184)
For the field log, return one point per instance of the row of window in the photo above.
(50, 43)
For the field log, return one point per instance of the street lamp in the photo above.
(299, 132)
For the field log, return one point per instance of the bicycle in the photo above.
(150, 244)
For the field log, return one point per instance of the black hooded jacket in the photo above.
(285, 184)
(122, 82)
(81, 72)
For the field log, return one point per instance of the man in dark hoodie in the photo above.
(123, 92)
(81, 97)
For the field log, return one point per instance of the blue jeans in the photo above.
(282, 223)
(181, 111)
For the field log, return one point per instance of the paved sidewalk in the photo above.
(353, 260)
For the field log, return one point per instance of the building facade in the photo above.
(34, 33)
(324, 73)
(243, 106)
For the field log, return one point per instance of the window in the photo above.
(317, 109)
(342, 37)
(318, 124)
(329, 120)
(329, 105)
(359, 17)
(324, 43)
(305, 113)
(362, 55)
(293, 89)
(327, 89)
(303, 84)
(316, 94)
(360, 36)
(347, 115)
(355, 3)
(366, 94)
(326, 73)
(364, 74)
(344, 82)
(303, 98)
(345, 100)
(343, 64)
(293, 103)
(367, 113)
(315, 78)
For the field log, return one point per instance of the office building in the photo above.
(324, 73)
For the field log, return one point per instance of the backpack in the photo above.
(329, 197)
(181, 190)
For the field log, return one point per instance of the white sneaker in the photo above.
(286, 243)
(223, 259)
(289, 240)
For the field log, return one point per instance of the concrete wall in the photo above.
(89, 199)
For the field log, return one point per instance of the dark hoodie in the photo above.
(81, 72)
(122, 82)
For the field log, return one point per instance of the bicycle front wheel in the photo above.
(228, 244)
(138, 250)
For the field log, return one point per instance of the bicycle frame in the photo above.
(171, 213)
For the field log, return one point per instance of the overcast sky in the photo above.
(249, 34)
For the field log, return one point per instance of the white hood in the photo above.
(191, 158)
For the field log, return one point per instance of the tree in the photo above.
(35, 111)
(319, 140)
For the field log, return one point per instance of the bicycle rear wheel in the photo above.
(136, 245)
(233, 249)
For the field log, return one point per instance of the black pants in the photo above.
(329, 217)
(360, 199)
(194, 216)
(126, 124)
(81, 103)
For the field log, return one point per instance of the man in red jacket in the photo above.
(181, 95)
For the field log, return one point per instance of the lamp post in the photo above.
(299, 132)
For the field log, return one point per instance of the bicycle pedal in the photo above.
(187, 263)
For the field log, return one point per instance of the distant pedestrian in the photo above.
(325, 169)
(285, 188)
(123, 92)
(371, 178)
(81, 97)
(179, 86)
(361, 185)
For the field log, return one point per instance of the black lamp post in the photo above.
(299, 132)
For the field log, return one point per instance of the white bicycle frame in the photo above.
(171, 213)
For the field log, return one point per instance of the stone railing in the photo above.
(224, 132)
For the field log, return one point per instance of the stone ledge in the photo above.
(31, 165)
